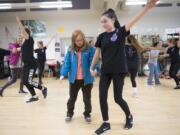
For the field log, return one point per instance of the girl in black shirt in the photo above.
(174, 53)
(132, 61)
(41, 57)
(30, 64)
(111, 45)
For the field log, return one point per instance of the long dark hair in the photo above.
(110, 13)
(28, 31)
(134, 42)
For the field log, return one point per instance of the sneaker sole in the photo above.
(68, 121)
(128, 128)
(32, 101)
(105, 132)
(88, 122)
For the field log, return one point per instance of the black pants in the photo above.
(53, 70)
(21, 80)
(14, 75)
(173, 72)
(133, 73)
(118, 82)
(41, 65)
(28, 73)
(73, 92)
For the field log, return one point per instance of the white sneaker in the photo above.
(134, 92)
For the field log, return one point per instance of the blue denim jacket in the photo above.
(71, 63)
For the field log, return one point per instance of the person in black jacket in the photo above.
(174, 53)
(41, 57)
(132, 53)
(3, 53)
(30, 64)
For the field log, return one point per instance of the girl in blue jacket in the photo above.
(77, 63)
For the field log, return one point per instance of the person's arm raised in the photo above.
(22, 28)
(50, 40)
(150, 4)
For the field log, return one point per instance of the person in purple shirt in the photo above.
(13, 59)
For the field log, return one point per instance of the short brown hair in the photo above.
(75, 34)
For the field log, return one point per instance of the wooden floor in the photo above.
(156, 111)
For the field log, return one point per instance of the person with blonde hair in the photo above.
(77, 63)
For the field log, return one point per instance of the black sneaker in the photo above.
(68, 119)
(103, 128)
(22, 92)
(40, 82)
(32, 99)
(44, 92)
(1, 92)
(129, 122)
(177, 87)
(88, 119)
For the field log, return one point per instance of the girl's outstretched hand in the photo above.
(151, 3)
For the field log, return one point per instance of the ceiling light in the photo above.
(59, 4)
(5, 6)
(137, 2)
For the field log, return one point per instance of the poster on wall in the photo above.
(38, 28)
(57, 47)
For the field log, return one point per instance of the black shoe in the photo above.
(22, 92)
(129, 122)
(1, 92)
(68, 119)
(44, 92)
(40, 82)
(32, 99)
(177, 87)
(88, 119)
(103, 128)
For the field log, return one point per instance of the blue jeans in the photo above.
(153, 72)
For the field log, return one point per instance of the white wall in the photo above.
(89, 21)
(156, 20)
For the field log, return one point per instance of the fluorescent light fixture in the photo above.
(59, 4)
(5, 6)
(137, 2)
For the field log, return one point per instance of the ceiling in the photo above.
(79, 5)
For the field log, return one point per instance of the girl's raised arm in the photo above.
(22, 28)
(50, 40)
(150, 4)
